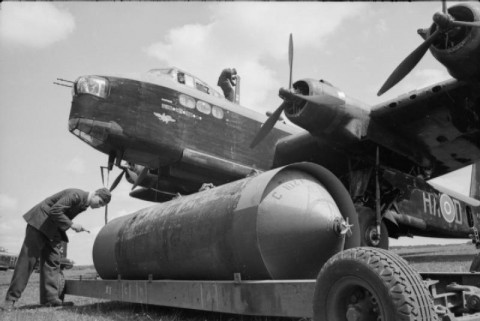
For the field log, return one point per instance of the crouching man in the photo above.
(47, 223)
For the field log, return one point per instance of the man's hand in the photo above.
(78, 228)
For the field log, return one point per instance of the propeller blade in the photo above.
(116, 181)
(408, 63)
(131, 174)
(103, 178)
(290, 59)
(106, 214)
(268, 125)
(475, 24)
(140, 178)
(444, 6)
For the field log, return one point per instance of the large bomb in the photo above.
(281, 224)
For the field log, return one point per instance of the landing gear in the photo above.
(368, 229)
(362, 284)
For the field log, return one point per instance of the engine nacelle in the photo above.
(459, 49)
(347, 120)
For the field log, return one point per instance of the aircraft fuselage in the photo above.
(159, 123)
(421, 209)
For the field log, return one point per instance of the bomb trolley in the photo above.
(273, 244)
(356, 284)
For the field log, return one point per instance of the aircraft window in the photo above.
(217, 112)
(186, 101)
(181, 77)
(202, 87)
(161, 72)
(189, 81)
(203, 107)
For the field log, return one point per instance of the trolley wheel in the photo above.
(61, 285)
(475, 266)
(368, 229)
(363, 284)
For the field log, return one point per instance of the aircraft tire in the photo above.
(366, 220)
(475, 266)
(371, 284)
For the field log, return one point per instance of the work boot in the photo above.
(58, 303)
(8, 305)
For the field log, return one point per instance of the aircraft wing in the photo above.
(437, 127)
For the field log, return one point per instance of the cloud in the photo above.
(76, 166)
(12, 228)
(427, 77)
(7, 203)
(249, 36)
(36, 25)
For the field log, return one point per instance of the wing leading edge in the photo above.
(441, 124)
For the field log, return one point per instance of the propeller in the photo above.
(408, 64)
(114, 184)
(268, 125)
(140, 177)
(444, 23)
(272, 120)
(117, 180)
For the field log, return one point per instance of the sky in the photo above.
(354, 46)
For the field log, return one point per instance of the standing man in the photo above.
(47, 224)
(227, 81)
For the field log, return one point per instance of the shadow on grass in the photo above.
(435, 258)
(30, 307)
(117, 311)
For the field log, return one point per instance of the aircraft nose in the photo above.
(91, 131)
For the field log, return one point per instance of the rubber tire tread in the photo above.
(414, 294)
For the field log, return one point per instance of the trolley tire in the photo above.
(475, 266)
(380, 283)
(61, 285)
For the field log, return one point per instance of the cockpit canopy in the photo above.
(186, 79)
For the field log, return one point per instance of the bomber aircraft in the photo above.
(171, 133)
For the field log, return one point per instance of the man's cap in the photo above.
(104, 194)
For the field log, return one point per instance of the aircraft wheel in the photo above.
(368, 229)
(475, 266)
(363, 284)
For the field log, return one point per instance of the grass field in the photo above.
(451, 258)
